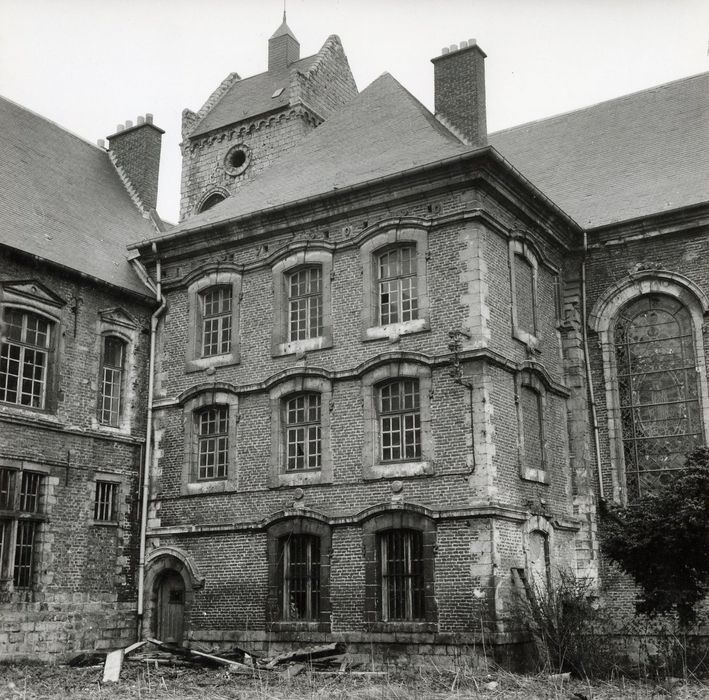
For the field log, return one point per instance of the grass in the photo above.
(143, 681)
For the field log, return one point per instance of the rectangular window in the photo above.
(20, 494)
(400, 420)
(112, 364)
(216, 321)
(303, 432)
(532, 427)
(105, 501)
(213, 442)
(401, 575)
(305, 302)
(24, 358)
(398, 295)
(301, 577)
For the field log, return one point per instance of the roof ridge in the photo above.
(620, 98)
(53, 123)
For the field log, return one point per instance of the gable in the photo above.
(33, 290)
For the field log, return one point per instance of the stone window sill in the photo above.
(387, 470)
(539, 476)
(301, 478)
(393, 331)
(203, 363)
(295, 347)
(409, 627)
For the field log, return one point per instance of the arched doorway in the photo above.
(169, 614)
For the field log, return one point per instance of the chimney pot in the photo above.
(148, 118)
(129, 123)
(459, 89)
(119, 127)
(141, 120)
(444, 50)
(101, 143)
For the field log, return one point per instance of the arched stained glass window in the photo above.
(658, 389)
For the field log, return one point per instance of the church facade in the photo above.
(396, 361)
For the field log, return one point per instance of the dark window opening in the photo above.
(211, 201)
(105, 501)
(401, 575)
(300, 566)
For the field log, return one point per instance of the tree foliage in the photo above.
(662, 541)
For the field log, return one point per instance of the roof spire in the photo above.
(283, 47)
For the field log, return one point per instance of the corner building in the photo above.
(361, 405)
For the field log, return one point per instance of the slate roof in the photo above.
(630, 157)
(250, 97)
(382, 131)
(62, 200)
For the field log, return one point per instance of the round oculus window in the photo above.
(237, 159)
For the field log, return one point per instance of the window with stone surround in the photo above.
(399, 551)
(531, 409)
(658, 388)
(26, 357)
(300, 431)
(210, 415)
(303, 432)
(398, 440)
(395, 285)
(21, 495)
(523, 283)
(299, 574)
(213, 318)
(111, 396)
(302, 307)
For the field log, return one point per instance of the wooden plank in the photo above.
(135, 646)
(307, 654)
(112, 667)
(189, 654)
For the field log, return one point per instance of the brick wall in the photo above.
(84, 585)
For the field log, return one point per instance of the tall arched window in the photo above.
(658, 389)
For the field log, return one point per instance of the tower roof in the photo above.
(283, 30)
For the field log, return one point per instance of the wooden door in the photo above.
(170, 612)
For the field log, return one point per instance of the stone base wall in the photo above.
(59, 628)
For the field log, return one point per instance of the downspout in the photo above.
(589, 381)
(145, 488)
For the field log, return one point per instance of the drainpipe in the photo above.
(145, 488)
(589, 381)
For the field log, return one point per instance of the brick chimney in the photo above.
(136, 150)
(283, 47)
(459, 87)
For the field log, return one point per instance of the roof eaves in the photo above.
(474, 153)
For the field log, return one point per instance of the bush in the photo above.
(662, 540)
(569, 626)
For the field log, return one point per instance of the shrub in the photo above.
(662, 540)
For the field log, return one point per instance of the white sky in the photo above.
(92, 64)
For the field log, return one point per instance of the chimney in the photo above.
(459, 87)
(283, 48)
(136, 150)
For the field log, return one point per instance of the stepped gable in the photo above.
(382, 131)
(630, 157)
(63, 200)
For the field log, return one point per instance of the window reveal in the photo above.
(305, 303)
(300, 556)
(401, 575)
(105, 501)
(532, 427)
(111, 399)
(20, 501)
(24, 358)
(213, 443)
(397, 284)
(525, 294)
(303, 432)
(399, 420)
(658, 389)
(216, 321)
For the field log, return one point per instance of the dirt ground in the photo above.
(145, 682)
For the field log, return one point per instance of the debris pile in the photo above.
(323, 659)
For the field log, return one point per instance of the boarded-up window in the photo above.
(525, 294)
(532, 427)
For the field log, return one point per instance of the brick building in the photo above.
(73, 381)
(398, 360)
